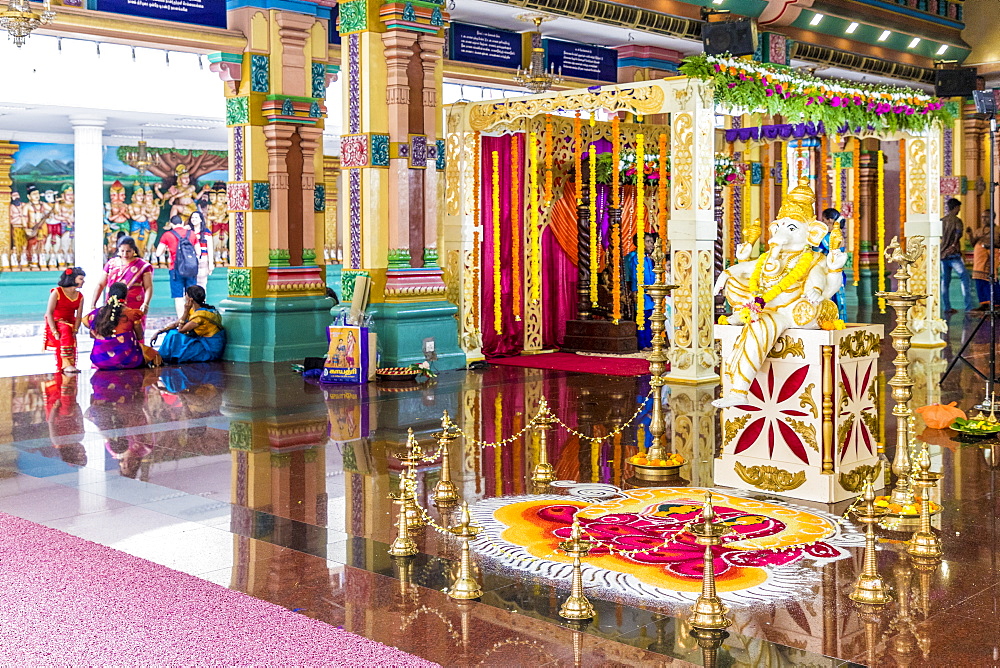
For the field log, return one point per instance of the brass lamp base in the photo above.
(445, 493)
(924, 546)
(543, 474)
(576, 607)
(709, 614)
(870, 590)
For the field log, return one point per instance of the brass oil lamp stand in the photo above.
(403, 545)
(709, 640)
(408, 483)
(902, 300)
(576, 606)
(465, 587)
(658, 291)
(445, 492)
(870, 589)
(925, 544)
(709, 612)
(544, 472)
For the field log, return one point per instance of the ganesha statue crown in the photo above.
(788, 286)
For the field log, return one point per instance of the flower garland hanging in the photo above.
(726, 171)
(880, 217)
(640, 230)
(616, 203)
(783, 148)
(856, 205)
(661, 192)
(902, 188)
(836, 183)
(515, 223)
(593, 214)
(535, 250)
(497, 294)
(765, 174)
(476, 169)
(778, 90)
(821, 172)
(750, 311)
(549, 158)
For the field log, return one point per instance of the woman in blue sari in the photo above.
(198, 336)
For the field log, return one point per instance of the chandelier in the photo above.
(535, 77)
(19, 19)
(140, 158)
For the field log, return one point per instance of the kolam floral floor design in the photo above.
(769, 555)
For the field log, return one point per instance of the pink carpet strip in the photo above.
(65, 601)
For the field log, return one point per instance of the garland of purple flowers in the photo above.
(844, 107)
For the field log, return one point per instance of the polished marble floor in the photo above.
(252, 478)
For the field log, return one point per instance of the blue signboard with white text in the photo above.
(581, 61)
(484, 46)
(209, 13)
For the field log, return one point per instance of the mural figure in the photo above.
(151, 210)
(140, 227)
(60, 240)
(18, 233)
(118, 221)
(38, 213)
(788, 286)
(182, 195)
(217, 214)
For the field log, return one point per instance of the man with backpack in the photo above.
(183, 245)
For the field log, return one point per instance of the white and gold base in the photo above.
(809, 428)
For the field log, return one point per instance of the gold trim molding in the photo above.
(786, 346)
(861, 343)
(770, 478)
(732, 427)
(854, 480)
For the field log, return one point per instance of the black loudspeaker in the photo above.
(958, 82)
(738, 38)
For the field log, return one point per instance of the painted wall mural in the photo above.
(145, 193)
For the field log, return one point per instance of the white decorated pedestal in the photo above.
(809, 427)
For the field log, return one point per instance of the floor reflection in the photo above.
(250, 477)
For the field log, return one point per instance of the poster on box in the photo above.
(347, 356)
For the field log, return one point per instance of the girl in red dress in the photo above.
(62, 319)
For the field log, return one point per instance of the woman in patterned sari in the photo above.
(117, 332)
(198, 336)
(134, 272)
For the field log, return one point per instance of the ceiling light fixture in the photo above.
(816, 19)
(942, 49)
(913, 42)
(535, 77)
(851, 28)
(177, 126)
(18, 19)
(885, 35)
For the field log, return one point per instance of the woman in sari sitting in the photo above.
(198, 336)
(117, 332)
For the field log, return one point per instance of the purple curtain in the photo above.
(558, 290)
(510, 339)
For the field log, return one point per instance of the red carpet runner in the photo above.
(67, 601)
(608, 366)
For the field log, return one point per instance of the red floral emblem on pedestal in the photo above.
(772, 396)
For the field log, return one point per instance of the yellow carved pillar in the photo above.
(332, 253)
(693, 358)
(275, 95)
(923, 218)
(7, 151)
(389, 157)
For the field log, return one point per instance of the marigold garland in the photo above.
(475, 279)
(515, 223)
(821, 173)
(535, 251)
(902, 188)
(661, 192)
(592, 187)
(856, 201)
(783, 147)
(880, 218)
(549, 157)
(765, 172)
(476, 168)
(616, 203)
(750, 311)
(640, 229)
(578, 156)
(495, 176)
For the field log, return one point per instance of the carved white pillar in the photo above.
(692, 237)
(923, 218)
(88, 186)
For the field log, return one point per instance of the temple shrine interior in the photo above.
(495, 333)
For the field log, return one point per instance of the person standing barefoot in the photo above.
(62, 319)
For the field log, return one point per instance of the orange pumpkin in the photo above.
(939, 417)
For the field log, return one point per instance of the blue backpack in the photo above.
(186, 260)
